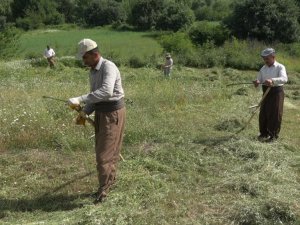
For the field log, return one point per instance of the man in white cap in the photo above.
(106, 98)
(273, 75)
(167, 67)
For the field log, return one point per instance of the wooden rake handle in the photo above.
(258, 106)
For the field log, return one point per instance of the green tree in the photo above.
(216, 11)
(5, 8)
(145, 13)
(9, 37)
(67, 8)
(267, 20)
(175, 16)
(204, 31)
(102, 12)
(31, 14)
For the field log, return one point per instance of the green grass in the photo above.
(184, 163)
(121, 44)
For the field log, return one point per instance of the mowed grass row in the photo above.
(184, 163)
(121, 45)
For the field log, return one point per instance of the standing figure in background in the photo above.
(49, 55)
(273, 75)
(167, 67)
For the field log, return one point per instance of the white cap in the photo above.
(85, 45)
(267, 51)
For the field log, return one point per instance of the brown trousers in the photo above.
(109, 129)
(51, 61)
(271, 111)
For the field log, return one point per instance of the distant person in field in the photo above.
(49, 54)
(168, 65)
(106, 99)
(272, 74)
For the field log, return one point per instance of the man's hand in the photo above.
(268, 83)
(74, 102)
(256, 83)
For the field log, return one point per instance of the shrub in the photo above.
(38, 62)
(213, 12)
(145, 13)
(269, 20)
(33, 55)
(71, 62)
(242, 54)
(202, 32)
(120, 26)
(2, 22)
(178, 43)
(103, 12)
(32, 14)
(175, 17)
(136, 62)
(210, 55)
(30, 22)
(9, 38)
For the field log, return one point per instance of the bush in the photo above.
(269, 20)
(242, 54)
(136, 62)
(29, 23)
(214, 12)
(103, 12)
(33, 55)
(178, 43)
(145, 13)
(120, 26)
(2, 22)
(39, 62)
(292, 49)
(71, 62)
(175, 17)
(114, 57)
(202, 32)
(9, 38)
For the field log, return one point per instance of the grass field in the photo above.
(185, 164)
(120, 44)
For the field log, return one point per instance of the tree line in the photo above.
(266, 20)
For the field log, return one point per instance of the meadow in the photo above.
(111, 43)
(184, 161)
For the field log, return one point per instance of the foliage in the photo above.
(204, 31)
(211, 11)
(5, 9)
(136, 62)
(242, 54)
(271, 20)
(9, 37)
(103, 12)
(68, 9)
(145, 13)
(175, 17)
(178, 43)
(34, 14)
